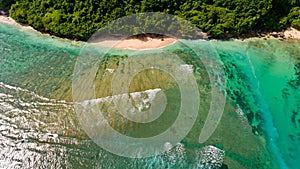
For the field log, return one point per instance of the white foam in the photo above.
(27, 91)
(151, 95)
(186, 67)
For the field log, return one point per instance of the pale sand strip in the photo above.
(137, 44)
(9, 20)
(292, 33)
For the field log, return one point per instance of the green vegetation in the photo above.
(219, 18)
(5, 4)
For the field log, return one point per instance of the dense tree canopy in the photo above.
(219, 18)
(5, 4)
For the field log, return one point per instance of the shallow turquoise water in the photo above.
(272, 70)
(39, 127)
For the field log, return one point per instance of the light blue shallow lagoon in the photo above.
(260, 126)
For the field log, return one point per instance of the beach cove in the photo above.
(36, 74)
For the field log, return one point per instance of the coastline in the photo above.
(292, 33)
(11, 21)
(147, 43)
(150, 42)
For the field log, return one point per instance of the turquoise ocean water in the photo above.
(260, 127)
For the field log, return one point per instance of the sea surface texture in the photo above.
(39, 128)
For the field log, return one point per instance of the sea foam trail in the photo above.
(6, 86)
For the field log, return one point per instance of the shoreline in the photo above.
(149, 42)
(11, 21)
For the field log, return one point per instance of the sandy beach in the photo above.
(9, 20)
(138, 44)
(292, 33)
